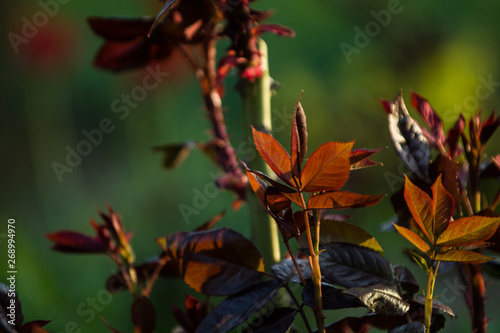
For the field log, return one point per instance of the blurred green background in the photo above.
(50, 93)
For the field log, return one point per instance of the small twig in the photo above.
(149, 285)
(299, 308)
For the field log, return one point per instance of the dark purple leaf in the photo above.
(413, 327)
(286, 270)
(164, 10)
(333, 298)
(235, 309)
(277, 321)
(406, 279)
(35, 326)
(120, 29)
(273, 28)
(380, 299)
(350, 266)
(489, 127)
(143, 315)
(491, 169)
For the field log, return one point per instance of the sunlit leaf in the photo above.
(143, 315)
(328, 168)
(274, 155)
(469, 230)
(214, 262)
(443, 204)
(413, 238)
(420, 206)
(380, 299)
(258, 187)
(341, 200)
(436, 305)
(235, 309)
(275, 201)
(462, 256)
(343, 232)
(299, 139)
(418, 259)
(349, 266)
(359, 158)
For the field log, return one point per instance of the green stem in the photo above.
(256, 100)
(431, 280)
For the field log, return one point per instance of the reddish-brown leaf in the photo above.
(430, 117)
(463, 256)
(328, 168)
(358, 155)
(258, 187)
(445, 166)
(143, 315)
(454, 135)
(295, 197)
(275, 201)
(71, 241)
(413, 238)
(274, 155)
(469, 230)
(443, 204)
(342, 199)
(299, 139)
(420, 206)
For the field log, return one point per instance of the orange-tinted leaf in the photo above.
(299, 139)
(328, 168)
(342, 199)
(413, 238)
(342, 232)
(275, 201)
(468, 231)
(274, 155)
(420, 206)
(364, 164)
(215, 262)
(463, 256)
(295, 197)
(445, 166)
(443, 204)
(258, 187)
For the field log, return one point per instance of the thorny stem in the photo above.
(315, 268)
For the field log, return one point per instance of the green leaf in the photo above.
(215, 262)
(469, 230)
(337, 232)
(341, 200)
(413, 238)
(328, 168)
(419, 260)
